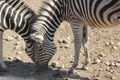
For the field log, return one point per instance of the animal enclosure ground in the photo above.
(104, 50)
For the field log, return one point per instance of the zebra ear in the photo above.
(37, 37)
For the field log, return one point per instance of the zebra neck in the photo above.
(49, 19)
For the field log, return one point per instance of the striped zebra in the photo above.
(80, 14)
(16, 16)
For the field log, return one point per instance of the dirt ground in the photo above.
(104, 50)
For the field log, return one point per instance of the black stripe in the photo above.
(95, 10)
(112, 3)
(90, 12)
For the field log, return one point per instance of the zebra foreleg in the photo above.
(3, 67)
(77, 32)
(85, 47)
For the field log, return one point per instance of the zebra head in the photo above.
(44, 52)
(45, 49)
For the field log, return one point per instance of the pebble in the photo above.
(96, 78)
(117, 65)
(102, 55)
(19, 52)
(114, 47)
(112, 64)
(112, 43)
(63, 66)
(10, 58)
(107, 63)
(65, 41)
(18, 58)
(66, 46)
(17, 43)
(97, 61)
(113, 78)
(109, 70)
(60, 41)
(107, 44)
(9, 38)
(16, 47)
(17, 37)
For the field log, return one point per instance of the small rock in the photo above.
(23, 48)
(19, 52)
(96, 78)
(97, 61)
(18, 58)
(60, 41)
(113, 78)
(107, 44)
(9, 38)
(66, 46)
(63, 66)
(117, 65)
(109, 70)
(101, 54)
(112, 64)
(10, 58)
(112, 43)
(16, 47)
(64, 41)
(114, 47)
(54, 64)
(17, 43)
(107, 63)
(17, 37)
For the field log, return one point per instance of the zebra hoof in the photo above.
(70, 71)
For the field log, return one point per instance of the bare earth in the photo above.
(104, 50)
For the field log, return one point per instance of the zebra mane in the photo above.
(21, 7)
(43, 5)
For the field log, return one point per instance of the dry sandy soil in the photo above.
(104, 50)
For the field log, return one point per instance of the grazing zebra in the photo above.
(16, 16)
(80, 14)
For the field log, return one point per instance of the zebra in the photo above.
(16, 16)
(80, 14)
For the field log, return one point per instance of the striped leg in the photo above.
(78, 35)
(85, 47)
(3, 67)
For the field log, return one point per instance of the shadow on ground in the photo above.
(18, 70)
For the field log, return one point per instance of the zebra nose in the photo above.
(42, 67)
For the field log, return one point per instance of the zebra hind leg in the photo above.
(3, 67)
(85, 47)
(77, 32)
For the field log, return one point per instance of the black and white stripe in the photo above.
(80, 14)
(16, 16)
